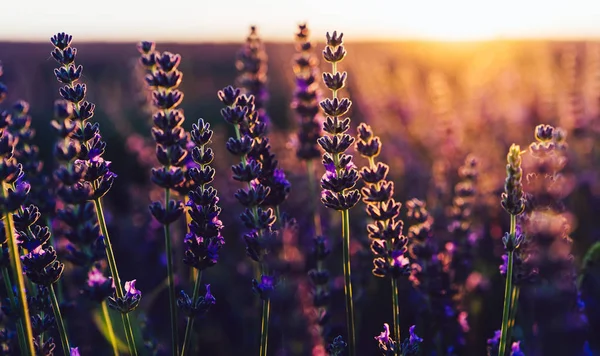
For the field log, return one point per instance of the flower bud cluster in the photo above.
(387, 242)
(341, 175)
(163, 79)
(307, 96)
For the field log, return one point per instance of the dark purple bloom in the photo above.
(251, 64)
(129, 301)
(265, 287)
(387, 345)
(98, 287)
(515, 349)
(306, 97)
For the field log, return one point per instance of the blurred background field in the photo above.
(432, 103)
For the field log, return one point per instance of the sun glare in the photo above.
(456, 20)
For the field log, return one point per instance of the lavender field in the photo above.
(337, 197)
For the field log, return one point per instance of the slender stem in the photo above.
(13, 306)
(190, 322)
(62, 331)
(310, 170)
(264, 332)
(514, 302)
(109, 327)
(264, 327)
(348, 282)
(509, 294)
(396, 312)
(15, 260)
(172, 298)
(112, 264)
(507, 298)
(514, 305)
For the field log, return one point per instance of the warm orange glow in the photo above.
(361, 20)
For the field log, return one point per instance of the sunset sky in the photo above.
(228, 20)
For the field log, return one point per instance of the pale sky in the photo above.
(228, 20)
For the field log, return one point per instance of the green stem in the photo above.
(508, 292)
(396, 312)
(15, 260)
(110, 329)
(62, 331)
(348, 282)
(264, 328)
(13, 306)
(112, 265)
(507, 297)
(190, 322)
(514, 302)
(264, 332)
(172, 298)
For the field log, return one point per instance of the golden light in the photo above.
(456, 20)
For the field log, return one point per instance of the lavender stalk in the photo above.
(513, 203)
(12, 197)
(389, 246)
(171, 152)
(341, 176)
(241, 113)
(92, 178)
(306, 105)
(204, 240)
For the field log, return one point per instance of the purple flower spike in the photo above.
(131, 291)
(265, 287)
(208, 297)
(129, 301)
(515, 349)
(384, 337)
(413, 339)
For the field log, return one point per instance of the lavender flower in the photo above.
(319, 276)
(11, 199)
(85, 175)
(204, 240)
(170, 137)
(306, 97)
(251, 63)
(240, 112)
(337, 347)
(388, 244)
(27, 154)
(430, 276)
(171, 151)
(462, 219)
(129, 301)
(546, 250)
(85, 146)
(42, 320)
(389, 347)
(341, 176)
(98, 287)
(196, 308)
(256, 162)
(338, 184)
